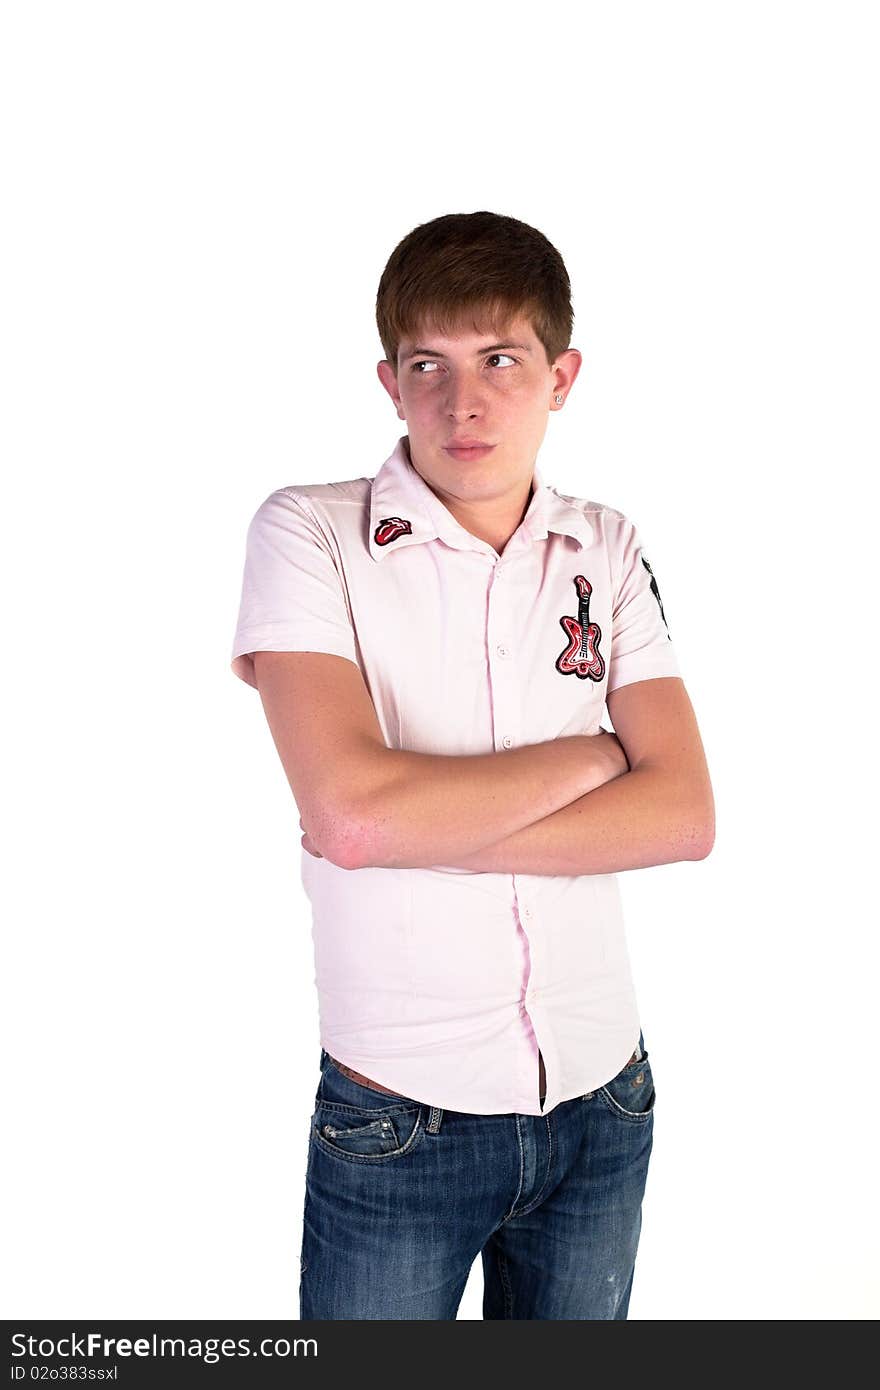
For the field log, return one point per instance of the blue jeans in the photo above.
(401, 1197)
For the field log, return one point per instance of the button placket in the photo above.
(504, 697)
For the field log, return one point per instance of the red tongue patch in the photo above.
(390, 527)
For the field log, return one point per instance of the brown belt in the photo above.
(374, 1085)
(364, 1080)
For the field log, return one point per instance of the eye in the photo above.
(415, 367)
(501, 354)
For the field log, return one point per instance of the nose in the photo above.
(463, 399)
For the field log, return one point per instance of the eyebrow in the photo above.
(492, 347)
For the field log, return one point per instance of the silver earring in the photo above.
(558, 400)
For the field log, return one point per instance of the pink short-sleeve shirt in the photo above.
(441, 983)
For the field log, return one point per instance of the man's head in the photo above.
(474, 314)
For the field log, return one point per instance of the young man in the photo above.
(433, 647)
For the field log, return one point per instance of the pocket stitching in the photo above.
(639, 1115)
(410, 1144)
(359, 1129)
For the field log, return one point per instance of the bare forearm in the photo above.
(642, 818)
(428, 809)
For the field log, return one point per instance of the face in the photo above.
(476, 407)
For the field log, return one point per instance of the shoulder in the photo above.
(331, 508)
(325, 496)
(319, 498)
(608, 524)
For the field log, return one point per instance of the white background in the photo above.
(199, 202)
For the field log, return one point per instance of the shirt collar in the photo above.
(404, 511)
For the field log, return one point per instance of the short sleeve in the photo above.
(292, 594)
(641, 645)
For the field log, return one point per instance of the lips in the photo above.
(468, 449)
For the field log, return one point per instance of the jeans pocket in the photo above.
(630, 1094)
(366, 1135)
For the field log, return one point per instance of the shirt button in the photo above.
(507, 740)
(527, 912)
(502, 650)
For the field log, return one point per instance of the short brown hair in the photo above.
(479, 263)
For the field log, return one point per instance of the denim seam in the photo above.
(538, 1197)
(522, 1169)
(379, 1110)
(505, 1284)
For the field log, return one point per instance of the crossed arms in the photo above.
(585, 804)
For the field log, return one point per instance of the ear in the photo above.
(388, 378)
(565, 370)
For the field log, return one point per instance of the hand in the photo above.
(613, 761)
(307, 844)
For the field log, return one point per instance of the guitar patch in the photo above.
(582, 656)
(390, 528)
(656, 592)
